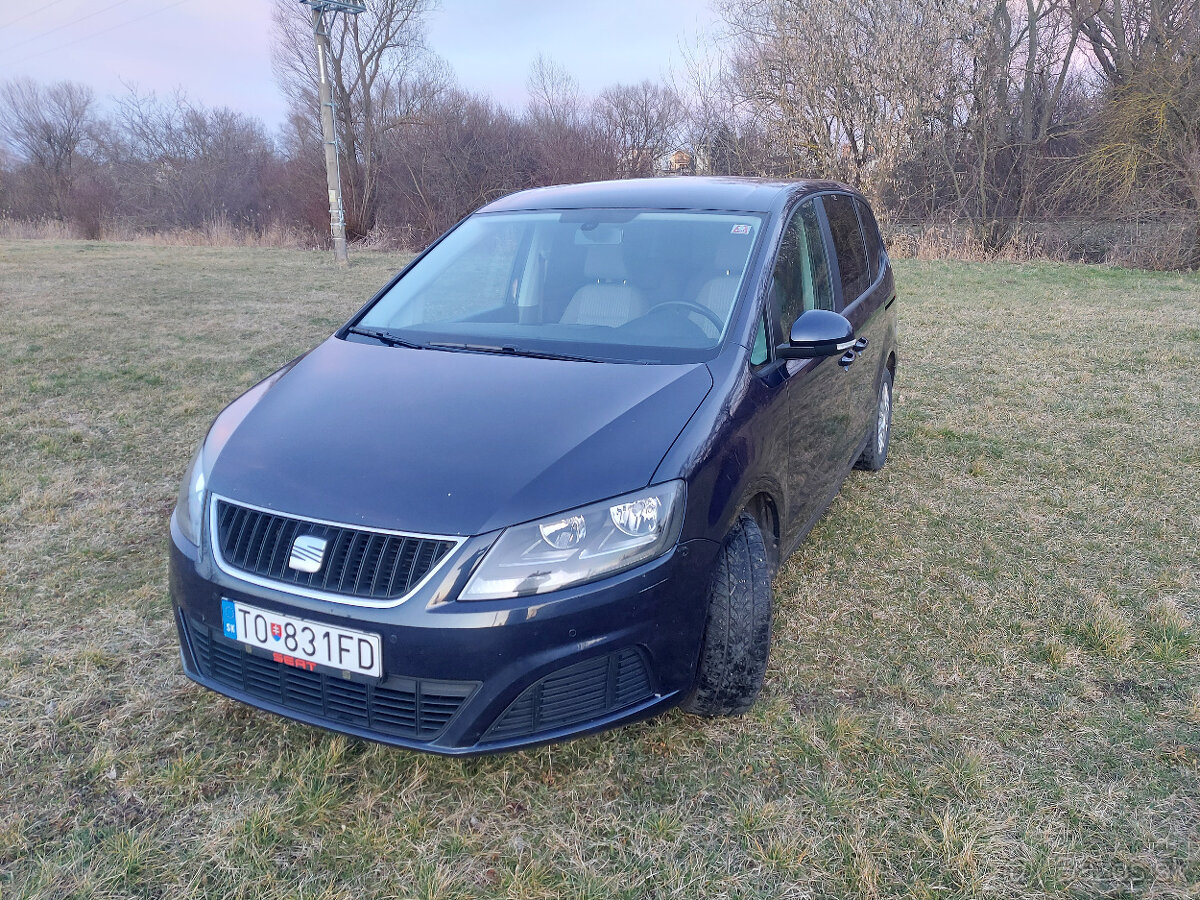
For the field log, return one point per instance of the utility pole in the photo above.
(333, 172)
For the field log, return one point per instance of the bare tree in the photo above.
(1125, 35)
(370, 55)
(1018, 60)
(562, 129)
(1144, 157)
(642, 123)
(554, 97)
(183, 165)
(466, 152)
(991, 112)
(930, 105)
(840, 84)
(721, 130)
(46, 127)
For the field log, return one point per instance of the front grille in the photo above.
(413, 708)
(578, 693)
(357, 562)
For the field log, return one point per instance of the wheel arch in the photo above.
(764, 509)
(887, 369)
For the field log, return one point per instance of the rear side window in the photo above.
(871, 232)
(801, 280)
(848, 243)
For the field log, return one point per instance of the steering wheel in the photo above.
(717, 322)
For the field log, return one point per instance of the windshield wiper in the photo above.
(506, 350)
(384, 337)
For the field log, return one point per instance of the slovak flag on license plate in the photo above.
(276, 630)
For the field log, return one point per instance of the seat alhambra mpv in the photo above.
(539, 485)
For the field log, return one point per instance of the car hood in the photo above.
(440, 442)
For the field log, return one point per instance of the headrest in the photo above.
(605, 262)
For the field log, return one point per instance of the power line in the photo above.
(32, 12)
(68, 24)
(95, 34)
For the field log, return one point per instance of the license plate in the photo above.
(300, 643)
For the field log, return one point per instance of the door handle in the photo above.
(847, 358)
(860, 345)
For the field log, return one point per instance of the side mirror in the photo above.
(818, 333)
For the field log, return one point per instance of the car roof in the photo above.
(676, 192)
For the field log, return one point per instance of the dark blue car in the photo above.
(540, 484)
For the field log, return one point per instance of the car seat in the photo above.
(719, 293)
(609, 298)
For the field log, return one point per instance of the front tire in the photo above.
(874, 455)
(737, 634)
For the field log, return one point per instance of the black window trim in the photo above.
(870, 289)
(881, 251)
(835, 264)
(764, 319)
(844, 305)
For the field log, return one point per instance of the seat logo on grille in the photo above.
(308, 552)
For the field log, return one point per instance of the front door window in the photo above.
(802, 278)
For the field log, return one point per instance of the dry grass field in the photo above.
(985, 680)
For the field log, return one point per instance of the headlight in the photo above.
(581, 545)
(189, 508)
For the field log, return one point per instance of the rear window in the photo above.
(848, 243)
(871, 232)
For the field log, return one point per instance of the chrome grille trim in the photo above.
(214, 545)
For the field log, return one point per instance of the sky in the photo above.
(219, 51)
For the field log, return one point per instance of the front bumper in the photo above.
(471, 677)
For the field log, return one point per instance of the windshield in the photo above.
(654, 286)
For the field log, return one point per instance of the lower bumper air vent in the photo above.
(588, 690)
(405, 707)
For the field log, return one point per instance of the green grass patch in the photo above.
(984, 680)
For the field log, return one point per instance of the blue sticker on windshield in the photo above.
(740, 229)
(228, 619)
